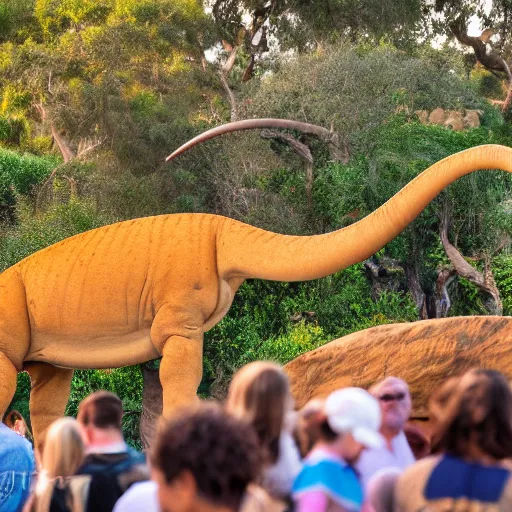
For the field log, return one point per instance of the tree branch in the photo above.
(491, 60)
(231, 96)
(304, 153)
(484, 282)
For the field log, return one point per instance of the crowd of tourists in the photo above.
(354, 450)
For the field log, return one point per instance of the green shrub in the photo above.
(18, 175)
(502, 270)
(37, 232)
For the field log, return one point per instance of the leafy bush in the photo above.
(18, 175)
(262, 323)
(36, 232)
(125, 382)
(502, 270)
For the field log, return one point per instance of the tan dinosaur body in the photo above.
(423, 353)
(126, 293)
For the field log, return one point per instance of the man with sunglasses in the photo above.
(395, 404)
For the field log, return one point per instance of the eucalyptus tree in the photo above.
(122, 72)
(492, 48)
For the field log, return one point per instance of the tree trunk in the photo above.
(442, 300)
(414, 286)
(152, 404)
(485, 282)
(66, 152)
(64, 148)
(491, 60)
(231, 96)
(508, 100)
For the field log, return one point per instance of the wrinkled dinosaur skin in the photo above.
(130, 292)
(423, 353)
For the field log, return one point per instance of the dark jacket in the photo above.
(112, 473)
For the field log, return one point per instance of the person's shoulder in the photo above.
(10, 442)
(257, 499)
(328, 473)
(136, 456)
(140, 496)
(411, 483)
(422, 467)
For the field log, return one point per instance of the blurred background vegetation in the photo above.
(95, 93)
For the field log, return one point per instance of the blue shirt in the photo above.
(456, 479)
(333, 477)
(16, 467)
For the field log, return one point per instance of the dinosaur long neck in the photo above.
(249, 252)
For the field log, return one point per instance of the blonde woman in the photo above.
(63, 453)
(259, 394)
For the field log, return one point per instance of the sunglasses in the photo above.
(388, 397)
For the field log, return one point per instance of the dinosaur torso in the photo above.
(91, 299)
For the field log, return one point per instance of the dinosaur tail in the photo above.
(248, 252)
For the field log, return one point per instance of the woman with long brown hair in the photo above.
(472, 437)
(259, 394)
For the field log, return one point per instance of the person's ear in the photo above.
(187, 482)
(185, 490)
(87, 434)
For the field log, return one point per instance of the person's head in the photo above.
(63, 448)
(260, 395)
(473, 416)
(380, 490)
(15, 421)
(307, 429)
(204, 458)
(101, 415)
(395, 403)
(350, 423)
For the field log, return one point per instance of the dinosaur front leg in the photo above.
(48, 396)
(8, 377)
(181, 370)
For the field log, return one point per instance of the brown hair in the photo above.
(14, 417)
(260, 395)
(63, 449)
(307, 429)
(220, 451)
(477, 408)
(102, 409)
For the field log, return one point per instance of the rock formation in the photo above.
(423, 353)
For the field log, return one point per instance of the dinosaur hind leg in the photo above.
(49, 396)
(8, 377)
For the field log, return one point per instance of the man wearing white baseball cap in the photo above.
(349, 423)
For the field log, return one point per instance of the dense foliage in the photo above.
(94, 94)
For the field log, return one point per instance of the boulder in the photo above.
(472, 118)
(422, 116)
(454, 120)
(423, 353)
(437, 116)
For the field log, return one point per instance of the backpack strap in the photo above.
(79, 488)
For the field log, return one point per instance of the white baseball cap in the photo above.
(355, 411)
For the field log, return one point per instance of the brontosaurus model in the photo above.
(136, 290)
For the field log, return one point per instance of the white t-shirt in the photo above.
(278, 478)
(372, 460)
(140, 497)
